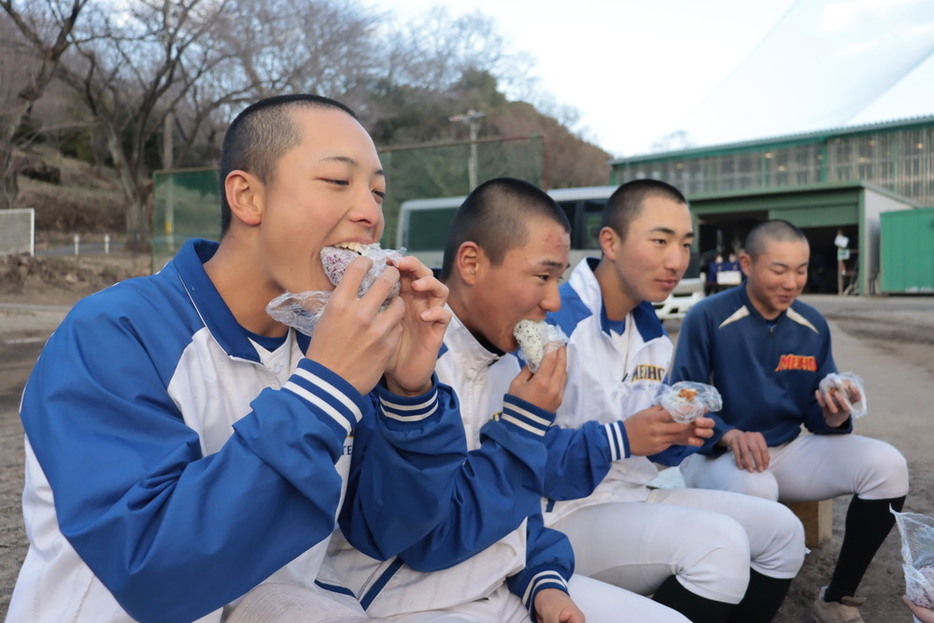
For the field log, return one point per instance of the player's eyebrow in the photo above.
(546, 264)
(661, 229)
(350, 161)
(778, 264)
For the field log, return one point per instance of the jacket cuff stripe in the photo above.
(508, 417)
(511, 407)
(526, 416)
(335, 415)
(325, 396)
(617, 441)
(329, 390)
(410, 413)
(543, 579)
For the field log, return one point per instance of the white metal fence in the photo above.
(18, 231)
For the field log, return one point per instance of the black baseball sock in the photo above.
(694, 607)
(868, 522)
(762, 600)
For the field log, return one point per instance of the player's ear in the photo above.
(469, 261)
(745, 263)
(609, 242)
(245, 196)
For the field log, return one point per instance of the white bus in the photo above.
(423, 227)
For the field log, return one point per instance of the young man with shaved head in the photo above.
(767, 352)
(492, 560)
(182, 446)
(714, 557)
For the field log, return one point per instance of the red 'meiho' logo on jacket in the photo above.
(797, 362)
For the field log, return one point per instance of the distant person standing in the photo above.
(728, 274)
(710, 275)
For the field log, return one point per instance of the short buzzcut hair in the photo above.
(495, 217)
(261, 134)
(626, 202)
(776, 229)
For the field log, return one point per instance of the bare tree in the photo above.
(196, 61)
(48, 34)
(435, 49)
(160, 79)
(327, 47)
(131, 68)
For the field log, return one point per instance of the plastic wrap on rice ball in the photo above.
(536, 338)
(847, 389)
(336, 259)
(687, 400)
(301, 310)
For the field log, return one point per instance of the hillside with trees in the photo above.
(132, 87)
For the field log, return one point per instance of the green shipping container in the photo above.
(906, 241)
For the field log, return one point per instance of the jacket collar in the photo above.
(587, 287)
(470, 351)
(793, 313)
(214, 313)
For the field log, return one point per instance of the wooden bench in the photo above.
(817, 518)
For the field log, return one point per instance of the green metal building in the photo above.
(828, 183)
(907, 252)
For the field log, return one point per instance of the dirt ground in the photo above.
(890, 342)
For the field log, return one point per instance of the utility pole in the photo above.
(472, 119)
(167, 164)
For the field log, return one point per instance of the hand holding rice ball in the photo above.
(846, 390)
(537, 338)
(687, 401)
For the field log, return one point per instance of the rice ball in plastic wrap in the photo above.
(536, 338)
(336, 259)
(917, 536)
(847, 388)
(301, 310)
(687, 400)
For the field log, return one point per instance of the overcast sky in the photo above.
(719, 70)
